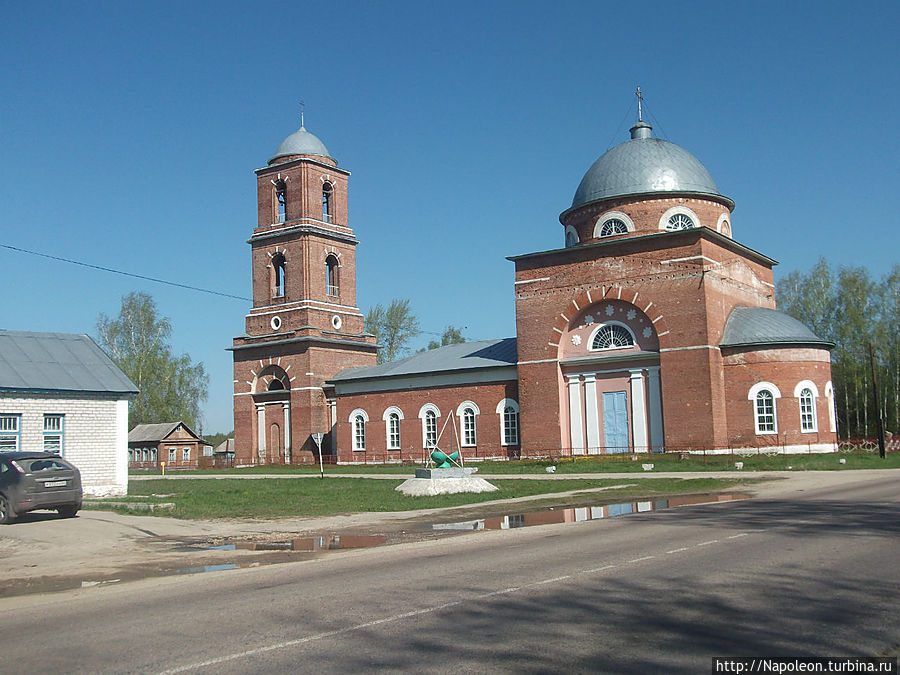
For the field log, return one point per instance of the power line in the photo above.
(125, 274)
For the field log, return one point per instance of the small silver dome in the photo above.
(644, 165)
(301, 142)
(763, 326)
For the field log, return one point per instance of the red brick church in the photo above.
(652, 329)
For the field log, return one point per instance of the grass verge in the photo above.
(281, 498)
(603, 464)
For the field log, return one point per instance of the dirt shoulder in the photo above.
(42, 552)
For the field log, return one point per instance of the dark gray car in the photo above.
(37, 480)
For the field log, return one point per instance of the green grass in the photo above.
(275, 498)
(608, 463)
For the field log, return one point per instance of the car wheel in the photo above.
(67, 511)
(7, 515)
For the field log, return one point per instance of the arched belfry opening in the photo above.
(278, 275)
(332, 276)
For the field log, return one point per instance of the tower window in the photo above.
(327, 206)
(613, 226)
(332, 277)
(278, 276)
(679, 221)
(280, 192)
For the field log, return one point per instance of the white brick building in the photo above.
(61, 393)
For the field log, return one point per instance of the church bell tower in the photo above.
(304, 326)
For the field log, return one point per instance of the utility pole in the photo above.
(879, 425)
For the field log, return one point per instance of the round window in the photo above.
(275, 322)
(337, 322)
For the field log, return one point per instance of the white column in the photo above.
(287, 432)
(576, 432)
(590, 413)
(261, 431)
(332, 407)
(638, 412)
(657, 439)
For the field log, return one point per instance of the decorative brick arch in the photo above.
(585, 297)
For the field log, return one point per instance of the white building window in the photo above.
(611, 336)
(185, 455)
(508, 409)
(678, 218)
(358, 420)
(806, 393)
(429, 414)
(171, 455)
(392, 417)
(763, 395)
(467, 412)
(9, 432)
(54, 426)
(613, 223)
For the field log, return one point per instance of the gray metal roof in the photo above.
(153, 433)
(301, 142)
(58, 362)
(644, 165)
(464, 356)
(759, 325)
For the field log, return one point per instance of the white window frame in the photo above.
(809, 421)
(612, 215)
(753, 395)
(832, 411)
(185, 455)
(603, 324)
(503, 407)
(683, 210)
(172, 454)
(571, 232)
(423, 415)
(358, 420)
(10, 431)
(391, 442)
(467, 411)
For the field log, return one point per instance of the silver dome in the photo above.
(644, 165)
(301, 142)
(762, 326)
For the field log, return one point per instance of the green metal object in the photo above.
(443, 461)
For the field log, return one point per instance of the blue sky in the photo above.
(130, 132)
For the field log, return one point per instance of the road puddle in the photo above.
(241, 554)
(578, 514)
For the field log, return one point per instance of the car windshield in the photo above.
(36, 465)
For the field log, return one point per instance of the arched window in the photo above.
(332, 278)
(807, 411)
(612, 336)
(467, 411)
(275, 385)
(832, 413)
(392, 417)
(806, 393)
(679, 221)
(327, 194)
(429, 414)
(278, 276)
(571, 236)
(359, 432)
(509, 422)
(613, 226)
(763, 395)
(281, 198)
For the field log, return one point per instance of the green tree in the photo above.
(451, 336)
(394, 327)
(216, 439)
(172, 387)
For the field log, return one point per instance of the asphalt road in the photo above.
(799, 573)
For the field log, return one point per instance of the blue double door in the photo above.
(615, 421)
